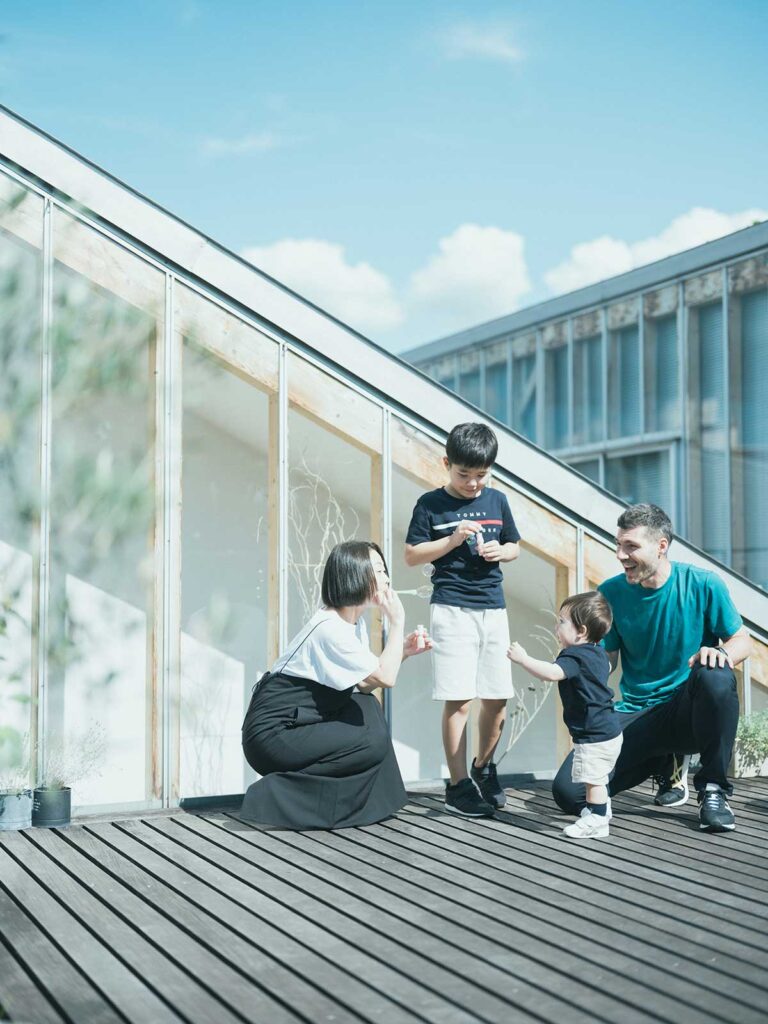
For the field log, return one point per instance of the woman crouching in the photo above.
(314, 730)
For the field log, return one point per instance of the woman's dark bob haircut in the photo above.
(348, 577)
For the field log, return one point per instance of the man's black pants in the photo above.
(700, 717)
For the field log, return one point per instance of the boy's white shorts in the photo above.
(469, 657)
(593, 762)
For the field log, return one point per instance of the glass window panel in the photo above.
(750, 453)
(709, 501)
(589, 468)
(334, 444)
(624, 382)
(21, 222)
(108, 316)
(662, 391)
(641, 478)
(496, 390)
(587, 390)
(556, 396)
(469, 386)
(227, 610)
(524, 395)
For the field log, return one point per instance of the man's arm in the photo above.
(733, 651)
(495, 552)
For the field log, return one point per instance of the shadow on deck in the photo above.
(424, 918)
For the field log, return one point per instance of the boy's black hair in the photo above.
(590, 611)
(348, 577)
(654, 519)
(472, 445)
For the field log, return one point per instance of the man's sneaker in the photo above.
(587, 826)
(464, 799)
(673, 788)
(715, 815)
(487, 781)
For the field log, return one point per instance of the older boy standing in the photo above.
(466, 529)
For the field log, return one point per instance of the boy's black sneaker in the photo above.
(464, 799)
(672, 789)
(715, 815)
(487, 781)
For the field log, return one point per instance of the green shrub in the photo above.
(752, 742)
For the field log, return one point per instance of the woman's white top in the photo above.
(329, 651)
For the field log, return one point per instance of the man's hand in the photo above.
(516, 652)
(465, 528)
(711, 657)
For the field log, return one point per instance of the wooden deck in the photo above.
(426, 918)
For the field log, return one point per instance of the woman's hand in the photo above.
(391, 606)
(411, 644)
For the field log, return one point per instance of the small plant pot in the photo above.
(15, 810)
(52, 807)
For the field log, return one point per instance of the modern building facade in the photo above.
(652, 383)
(182, 441)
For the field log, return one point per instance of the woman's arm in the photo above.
(392, 655)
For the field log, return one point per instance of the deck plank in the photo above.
(422, 919)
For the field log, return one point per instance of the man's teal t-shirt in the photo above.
(657, 631)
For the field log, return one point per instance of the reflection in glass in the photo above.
(225, 601)
(21, 221)
(106, 323)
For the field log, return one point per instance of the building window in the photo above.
(496, 390)
(641, 478)
(624, 382)
(587, 390)
(556, 396)
(662, 391)
(589, 468)
(750, 454)
(524, 396)
(709, 525)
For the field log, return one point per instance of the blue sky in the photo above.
(414, 167)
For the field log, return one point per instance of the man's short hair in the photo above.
(654, 519)
(472, 445)
(348, 577)
(590, 611)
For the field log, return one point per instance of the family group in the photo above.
(315, 731)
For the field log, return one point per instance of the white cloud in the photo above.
(261, 142)
(606, 256)
(356, 293)
(491, 42)
(479, 273)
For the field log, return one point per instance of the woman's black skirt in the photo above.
(325, 756)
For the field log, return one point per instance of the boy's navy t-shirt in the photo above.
(587, 699)
(462, 577)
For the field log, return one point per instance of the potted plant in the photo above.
(66, 762)
(15, 792)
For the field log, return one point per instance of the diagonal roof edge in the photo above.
(181, 247)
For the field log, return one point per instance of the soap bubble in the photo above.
(428, 569)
